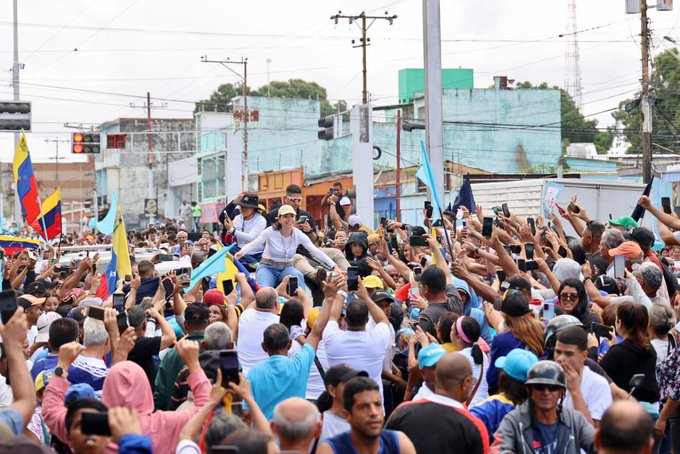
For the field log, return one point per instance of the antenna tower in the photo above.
(572, 67)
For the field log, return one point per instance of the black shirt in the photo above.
(435, 428)
(142, 354)
(624, 360)
(428, 318)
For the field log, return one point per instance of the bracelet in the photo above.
(342, 293)
(230, 306)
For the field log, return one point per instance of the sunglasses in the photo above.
(551, 388)
(294, 199)
(569, 296)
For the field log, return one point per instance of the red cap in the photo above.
(213, 296)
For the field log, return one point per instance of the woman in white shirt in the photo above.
(247, 226)
(465, 334)
(280, 242)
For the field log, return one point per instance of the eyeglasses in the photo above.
(551, 388)
(569, 296)
(294, 199)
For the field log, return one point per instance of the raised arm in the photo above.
(14, 336)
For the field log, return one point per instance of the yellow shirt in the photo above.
(449, 347)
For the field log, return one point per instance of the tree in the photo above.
(665, 96)
(220, 100)
(574, 127)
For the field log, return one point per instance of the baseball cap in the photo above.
(213, 296)
(373, 282)
(381, 296)
(286, 209)
(42, 380)
(293, 189)
(430, 355)
(626, 222)
(517, 363)
(342, 373)
(36, 287)
(373, 238)
(566, 268)
(516, 282)
(197, 312)
(643, 236)
(628, 249)
(354, 220)
(514, 303)
(27, 301)
(44, 321)
(79, 391)
(77, 314)
(91, 301)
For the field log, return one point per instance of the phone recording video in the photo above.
(229, 366)
(506, 210)
(532, 225)
(352, 279)
(119, 302)
(417, 241)
(228, 286)
(95, 423)
(487, 227)
(8, 304)
(291, 288)
(574, 208)
(666, 205)
(429, 209)
(96, 312)
(529, 250)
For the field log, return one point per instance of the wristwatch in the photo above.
(59, 372)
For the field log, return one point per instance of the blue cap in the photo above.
(430, 355)
(79, 391)
(414, 313)
(517, 363)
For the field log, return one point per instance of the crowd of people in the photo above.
(480, 331)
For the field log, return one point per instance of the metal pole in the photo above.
(15, 86)
(364, 44)
(148, 123)
(398, 182)
(645, 108)
(433, 90)
(269, 60)
(246, 117)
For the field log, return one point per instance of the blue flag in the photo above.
(426, 175)
(638, 212)
(465, 197)
(106, 225)
(213, 265)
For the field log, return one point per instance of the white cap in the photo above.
(354, 220)
(44, 322)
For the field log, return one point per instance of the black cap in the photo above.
(342, 373)
(515, 304)
(249, 201)
(293, 189)
(381, 296)
(197, 312)
(36, 287)
(517, 282)
(643, 236)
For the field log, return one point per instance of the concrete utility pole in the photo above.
(364, 41)
(645, 107)
(432, 55)
(56, 141)
(246, 113)
(16, 66)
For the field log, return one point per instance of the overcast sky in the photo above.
(74, 50)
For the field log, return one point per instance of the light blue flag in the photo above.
(106, 225)
(426, 175)
(212, 265)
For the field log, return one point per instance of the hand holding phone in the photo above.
(352, 279)
(292, 286)
(666, 205)
(230, 367)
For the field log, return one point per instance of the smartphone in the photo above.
(225, 449)
(532, 224)
(292, 286)
(548, 310)
(123, 321)
(529, 250)
(531, 265)
(303, 219)
(516, 248)
(666, 204)
(501, 276)
(95, 423)
(414, 291)
(601, 330)
(561, 211)
(522, 265)
(96, 312)
(506, 210)
(417, 241)
(229, 366)
(128, 278)
(8, 304)
(383, 222)
(417, 270)
(429, 209)
(574, 208)
(619, 266)
(119, 302)
(352, 279)
(487, 227)
(228, 286)
(330, 191)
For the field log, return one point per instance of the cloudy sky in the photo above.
(86, 61)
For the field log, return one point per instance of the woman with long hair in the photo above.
(465, 334)
(635, 355)
(280, 242)
(573, 299)
(522, 330)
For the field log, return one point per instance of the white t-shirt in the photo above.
(315, 385)
(363, 350)
(661, 348)
(251, 328)
(333, 425)
(423, 392)
(596, 394)
(477, 373)
(249, 229)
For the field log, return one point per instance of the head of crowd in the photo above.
(478, 329)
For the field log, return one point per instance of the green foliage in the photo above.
(575, 128)
(665, 79)
(293, 88)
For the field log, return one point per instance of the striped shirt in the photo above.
(86, 369)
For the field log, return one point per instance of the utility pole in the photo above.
(16, 66)
(56, 141)
(397, 192)
(645, 107)
(361, 19)
(246, 113)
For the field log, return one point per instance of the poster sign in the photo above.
(151, 207)
(210, 212)
(552, 191)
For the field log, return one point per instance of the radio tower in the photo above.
(572, 68)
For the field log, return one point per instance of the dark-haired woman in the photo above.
(574, 301)
(635, 355)
(465, 334)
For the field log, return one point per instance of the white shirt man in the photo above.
(596, 394)
(251, 328)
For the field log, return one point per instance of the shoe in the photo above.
(320, 276)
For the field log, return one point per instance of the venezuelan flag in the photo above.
(119, 266)
(51, 216)
(24, 178)
(11, 244)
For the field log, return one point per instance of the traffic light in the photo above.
(409, 126)
(85, 142)
(328, 131)
(15, 116)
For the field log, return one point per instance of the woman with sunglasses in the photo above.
(574, 301)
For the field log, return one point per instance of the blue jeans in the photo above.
(269, 275)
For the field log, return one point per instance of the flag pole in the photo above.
(446, 233)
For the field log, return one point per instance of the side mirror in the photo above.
(637, 380)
